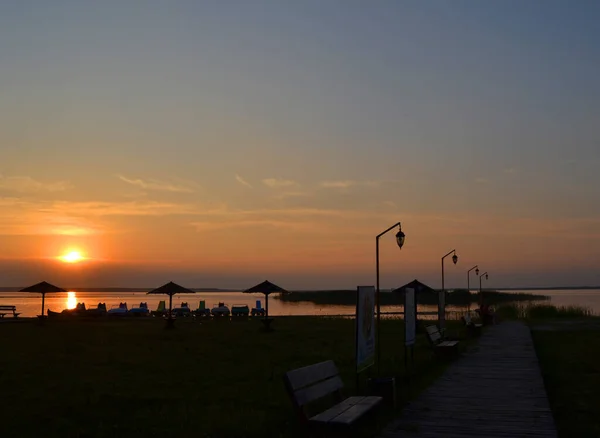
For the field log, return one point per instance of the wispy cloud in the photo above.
(481, 180)
(286, 195)
(130, 208)
(26, 184)
(346, 184)
(390, 204)
(163, 186)
(277, 183)
(242, 181)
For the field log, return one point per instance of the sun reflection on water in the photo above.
(71, 300)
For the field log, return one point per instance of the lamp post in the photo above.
(480, 294)
(469, 282)
(442, 298)
(400, 236)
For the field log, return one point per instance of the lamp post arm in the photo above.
(453, 251)
(389, 229)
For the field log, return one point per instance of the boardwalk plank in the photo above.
(494, 391)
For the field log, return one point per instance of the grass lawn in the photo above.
(219, 378)
(570, 362)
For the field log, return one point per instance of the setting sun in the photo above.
(71, 257)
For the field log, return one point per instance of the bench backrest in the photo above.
(13, 308)
(433, 333)
(313, 382)
(468, 318)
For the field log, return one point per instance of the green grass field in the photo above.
(570, 362)
(219, 378)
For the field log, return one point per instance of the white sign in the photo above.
(365, 327)
(410, 317)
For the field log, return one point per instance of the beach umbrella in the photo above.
(416, 285)
(171, 289)
(267, 288)
(43, 288)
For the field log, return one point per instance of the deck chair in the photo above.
(161, 309)
(258, 310)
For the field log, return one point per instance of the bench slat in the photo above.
(355, 412)
(348, 411)
(447, 344)
(336, 410)
(308, 375)
(315, 392)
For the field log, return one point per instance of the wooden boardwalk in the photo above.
(494, 391)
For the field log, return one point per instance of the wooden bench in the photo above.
(472, 328)
(440, 346)
(12, 309)
(315, 382)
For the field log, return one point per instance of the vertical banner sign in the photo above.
(442, 310)
(365, 327)
(410, 317)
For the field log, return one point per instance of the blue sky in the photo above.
(179, 126)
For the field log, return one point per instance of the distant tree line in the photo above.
(457, 297)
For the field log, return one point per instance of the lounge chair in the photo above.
(258, 310)
(182, 310)
(160, 310)
(140, 311)
(202, 310)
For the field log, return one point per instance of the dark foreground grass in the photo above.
(218, 378)
(570, 362)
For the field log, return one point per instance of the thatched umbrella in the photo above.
(416, 285)
(171, 289)
(267, 288)
(43, 288)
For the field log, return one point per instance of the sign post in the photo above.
(410, 323)
(442, 310)
(365, 328)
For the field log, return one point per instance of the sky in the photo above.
(221, 143)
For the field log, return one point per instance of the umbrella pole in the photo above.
(43, 299)
(266, 306)
(170, 306)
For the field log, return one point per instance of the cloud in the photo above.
(26, 184)
(285, 195)
(242, 181)
(510, 170)
(276, 183)
(346, 184)
(480, 180)
(130, 208)
(391, 204)
(151, 184)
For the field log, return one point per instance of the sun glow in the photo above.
(72, 257)
(71, 300)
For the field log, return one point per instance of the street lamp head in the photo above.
(476, 271)
(455, 258)
(486, 276)
(400, 236)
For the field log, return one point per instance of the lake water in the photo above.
(29, 304)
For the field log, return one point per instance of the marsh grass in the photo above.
(542, 311)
